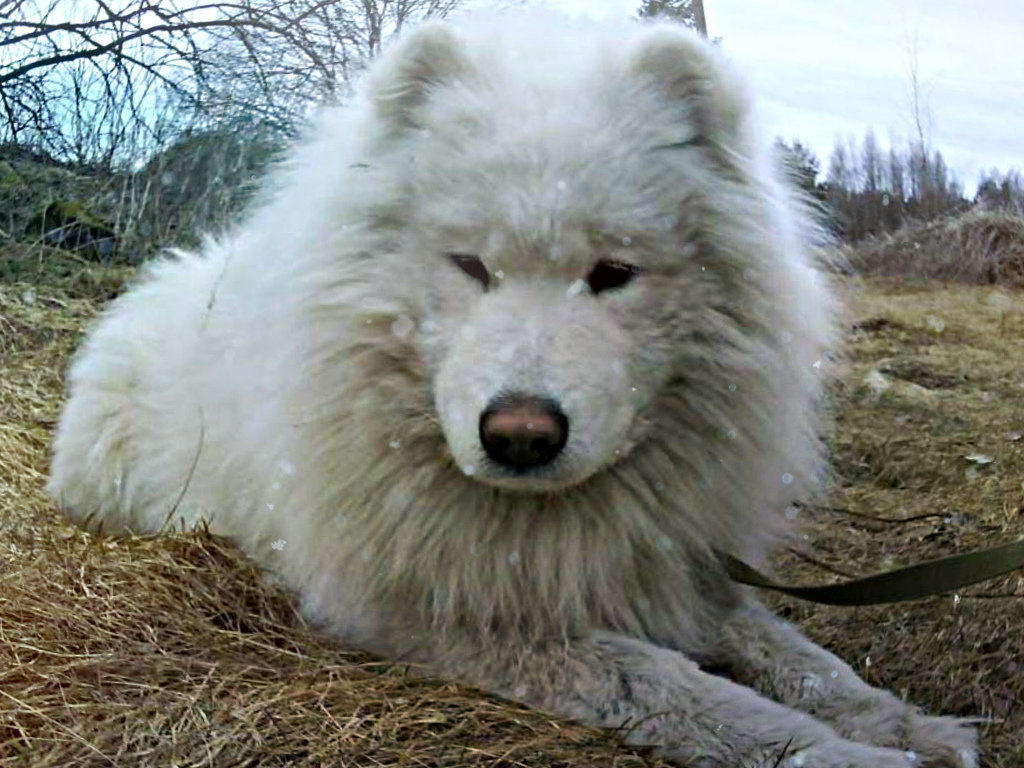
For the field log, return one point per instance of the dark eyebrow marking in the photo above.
(694, 141)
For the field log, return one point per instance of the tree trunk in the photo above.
(698, 17)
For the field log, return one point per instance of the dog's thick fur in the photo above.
(313, 385)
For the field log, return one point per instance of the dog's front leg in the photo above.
(660, 697)
(773, 657)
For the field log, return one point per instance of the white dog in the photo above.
(516, 340)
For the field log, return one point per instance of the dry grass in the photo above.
(981, 248)
(172, 651)
(59, 272)
(904, 491)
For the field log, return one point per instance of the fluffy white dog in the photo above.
(516, 340)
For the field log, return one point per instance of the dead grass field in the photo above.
(170, 651)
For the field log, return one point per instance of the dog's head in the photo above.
(583, 234)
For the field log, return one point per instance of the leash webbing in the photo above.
(932, 577)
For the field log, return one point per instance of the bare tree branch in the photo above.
(174, 103)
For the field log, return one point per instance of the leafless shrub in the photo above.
(978, 247)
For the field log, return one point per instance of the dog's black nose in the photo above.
(522, 432)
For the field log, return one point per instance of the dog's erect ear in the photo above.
(685, 69)
(427, 57)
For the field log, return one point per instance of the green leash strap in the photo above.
(911, 583)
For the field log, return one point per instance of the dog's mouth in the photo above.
(551, 477)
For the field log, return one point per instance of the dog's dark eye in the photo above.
(608, 275)
(472, 266)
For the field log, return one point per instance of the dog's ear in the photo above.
(686, 70)
(429, 56)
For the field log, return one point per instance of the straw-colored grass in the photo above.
(932, 466)
(172, 651)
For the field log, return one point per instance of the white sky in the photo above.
(824, 69)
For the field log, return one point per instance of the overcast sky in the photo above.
(828, 68)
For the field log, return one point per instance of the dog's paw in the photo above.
(932, 742)
(942, 742)
(841, 754)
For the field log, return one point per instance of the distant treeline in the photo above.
(868, 191)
